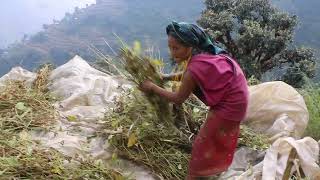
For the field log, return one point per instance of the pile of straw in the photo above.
(22, 158)
(23, 109)
(138, 135)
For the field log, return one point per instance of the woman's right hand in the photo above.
(165, 77)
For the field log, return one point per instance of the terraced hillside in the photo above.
(95, 24)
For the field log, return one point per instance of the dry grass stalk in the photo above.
(42, 80)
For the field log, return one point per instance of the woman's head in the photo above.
(179, 50)
(184, 37)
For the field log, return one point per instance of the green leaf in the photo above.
(57, 170)
(10, 161)
(72, 118)
(196, 110)
(114, 157)
(2, 172)
(20, 106)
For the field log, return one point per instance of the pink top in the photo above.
(221, 85)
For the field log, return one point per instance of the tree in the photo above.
(259, 36)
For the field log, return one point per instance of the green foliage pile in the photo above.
(22, 158)
(139, 135)
(253, 140)
(23, 109)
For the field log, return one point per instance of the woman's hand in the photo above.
(165, 77)
(172, 77)
(146, 86)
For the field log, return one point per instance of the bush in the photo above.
(312, 97)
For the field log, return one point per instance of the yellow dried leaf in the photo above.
(117, 176)
(137, 47)
(157, 62)
(132, 140)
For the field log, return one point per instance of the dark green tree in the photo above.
(260, 36)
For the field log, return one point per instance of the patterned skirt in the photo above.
(214, 147)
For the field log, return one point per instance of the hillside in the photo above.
(309, 16)
(131, 20)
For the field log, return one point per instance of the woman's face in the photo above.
(178, 51)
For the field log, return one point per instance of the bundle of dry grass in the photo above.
(25, 108)
(140, 68)
(22, 158)
(137, 134)
(42, 80)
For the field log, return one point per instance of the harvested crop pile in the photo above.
(140, 136)
(137, 131)
(25, 108)
(22, 158)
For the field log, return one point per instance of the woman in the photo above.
(218, 81)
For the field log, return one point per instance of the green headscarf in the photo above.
(194, 36)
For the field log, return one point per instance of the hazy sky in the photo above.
(19, 17)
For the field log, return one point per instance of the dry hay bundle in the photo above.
(138, 135)
(22, 109)
(25, 108)
(42, 80)
(140, 68)
(22, 158)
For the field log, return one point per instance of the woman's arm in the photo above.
(186, 88)
(173, 76)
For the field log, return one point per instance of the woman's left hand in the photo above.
(146, 86)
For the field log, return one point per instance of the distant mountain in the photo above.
(131, 20)
(21, 17)
(308, 31)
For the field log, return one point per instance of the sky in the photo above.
(19, 17)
